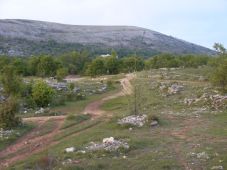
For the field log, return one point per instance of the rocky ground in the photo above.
(185, 128)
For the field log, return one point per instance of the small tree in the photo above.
(61, 73)
(8, 111)
(11, 81)
(97, 67)
(219, 76)
(111, 64)
(42, 94)
(219, 48)
(138, 102)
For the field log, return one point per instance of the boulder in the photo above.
(217, 167)
(108, 140)
(108, 144)
(69, 150)
(40, 111)
(202, 155)
(154, 123)
(135, 120)
(174, 89)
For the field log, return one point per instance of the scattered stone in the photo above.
(40, 111)
(188, 102)
(108, 140)
(5, 134)
(215, 102)
(59, 86)
(81, 151)
(217, 167)
(76, 90)
(108, 144)
(2, 98)
(170, 89)
(124, 157)
(202, 155)
(130, 129)
(68, 161)
(69, 150)
(163, 69)
(154, 123)
(135, 120)
(175, 88)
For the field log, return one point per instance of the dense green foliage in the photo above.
(42, 94)
(11, 82)
(8, 111)
(218, 74)
(169, 60)
(80, 63)
(39, 94)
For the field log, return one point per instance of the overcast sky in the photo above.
(199, 21)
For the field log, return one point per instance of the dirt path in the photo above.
(30, 143)
(94, 107)
(33, 143)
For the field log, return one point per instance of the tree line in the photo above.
(80, 63)
(12, 69)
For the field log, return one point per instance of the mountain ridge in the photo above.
(19, 37)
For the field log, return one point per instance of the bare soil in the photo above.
(33, 143)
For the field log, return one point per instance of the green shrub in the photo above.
(42, 94)
(8, 111)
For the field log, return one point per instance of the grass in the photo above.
(47, 127)
(73, 120)
(18, 132)
(166, 147)
(78, 106)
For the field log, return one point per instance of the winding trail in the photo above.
(94, 107)
(32, 142)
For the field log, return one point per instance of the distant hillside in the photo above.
(26, 37)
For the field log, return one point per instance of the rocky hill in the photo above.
(27, 37)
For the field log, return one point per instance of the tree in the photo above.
(138, 103)
(61, 73)
(20, 66)
(219, 48)
(114, 54)
(42, 94)
(32, 65)
(219, 76)
(131, 64)
(47, 66)
(11, 81)
(111, 64)
(4, 61)
(74, 61)
(97, 67)
(8, 111)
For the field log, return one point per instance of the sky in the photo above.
(203, 22)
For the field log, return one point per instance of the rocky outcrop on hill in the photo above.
(27, 37)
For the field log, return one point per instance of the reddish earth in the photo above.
(33, 143)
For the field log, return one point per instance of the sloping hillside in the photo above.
(26, 37)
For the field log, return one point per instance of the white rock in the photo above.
(154, 123)
(81, 151)
(71, 149)
(217, 167)
(108, 140)
(135, 120)
(202, 155)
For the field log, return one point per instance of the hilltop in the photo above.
(27, 37)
